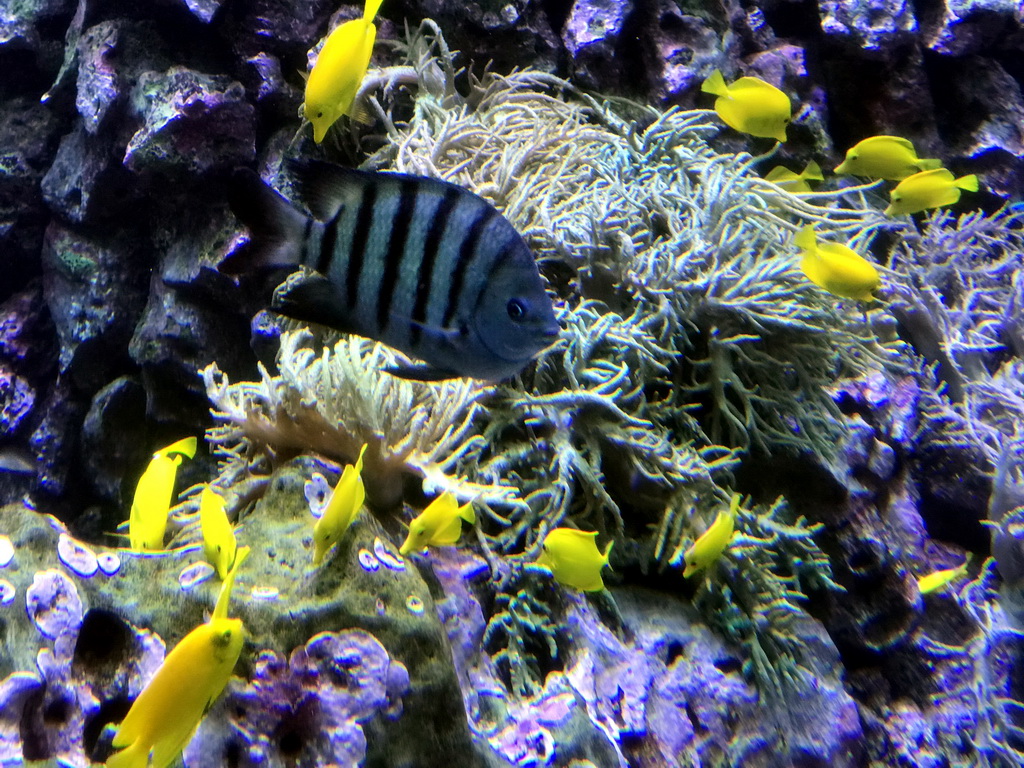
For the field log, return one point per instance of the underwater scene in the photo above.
(512, 384)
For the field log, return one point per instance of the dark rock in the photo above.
(958, 27)
(56, 438)
(269, 88)
(685, 42)
(984, 108)
(114, 438)
(85, 182)
(28, 136)
(192, 123)
(27, 334)
(874, 26)
(204, 10)
(99, 85)
(279, 27)
(95, 291)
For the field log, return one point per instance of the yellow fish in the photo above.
(164, 717)
(219, 545)
(710, 545)
(928, 189)
(795, 182)
(750, 105)
(836, 268)
(147, 520)
(574, 559)
(439, 525)
(936, 580)
(346, 500)
(339, 71)
(884, 157)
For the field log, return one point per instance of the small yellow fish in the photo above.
(710, 545)
(147, 520)
(339, 70)
(219, 545)
(795, 182)
(574, 559)
(439, 525)
(884, 157)
(750, 105)
(928, 189)
(837, 268)
(346, 500)
(163, 718)
(936, 580)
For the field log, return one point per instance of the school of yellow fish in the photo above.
(752, 106)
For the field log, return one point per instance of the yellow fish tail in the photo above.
(220, 610)
(805, 239)
(812, 172)
(607, 551)
(466, 513)
(715, 84)
(370, 9)
(969, 183)
(184, 447)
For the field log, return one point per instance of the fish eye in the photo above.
(320, 113)
(516, 309)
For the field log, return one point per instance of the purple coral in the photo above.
(306, 710)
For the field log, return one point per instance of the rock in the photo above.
(56, 437)
(874, 26)
(279, 27)
(959, 27)
(28, 136)
(99, 85)
(95, 291)
(85, 182)
(269, 88)
(204, 10)
(17, 397)
(984, 108)
(592, 35)
(193, 123)
(115, 437)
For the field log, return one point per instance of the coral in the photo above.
(307, 708)
(755, 593)
(334, 402)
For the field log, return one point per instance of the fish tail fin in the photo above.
(467, 513)
(135, 755)
(805, 239)
(812, 172)
(970, 183)
(607, 551)
(276, 229)
(715, 84)
(370, 9)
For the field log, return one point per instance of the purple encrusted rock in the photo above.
(192, 122)
(204, 10)
(973, 26)
(15, 691)
(872, 25)
(591, 34)
(53, 604)
(17, 397)
(318, 699)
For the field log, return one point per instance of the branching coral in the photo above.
(979, 699)
(754, 594)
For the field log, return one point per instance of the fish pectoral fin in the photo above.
(422, 372)
(312, 298)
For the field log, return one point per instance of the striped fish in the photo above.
(422, 265)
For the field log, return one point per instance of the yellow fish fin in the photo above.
(928, 164)
(370, 9)
(467, 513)
(812, 172)
(733, 113)
(970, 183)
(805, 239)
(607, 551)
(715, 84)
(220, 610)
(448, 534)
(184, 447)
(135, 755)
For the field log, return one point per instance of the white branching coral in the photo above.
(335, 402)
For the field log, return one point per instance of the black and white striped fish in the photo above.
(425, 266)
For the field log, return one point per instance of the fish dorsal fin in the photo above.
(326, 188)
(370, 9)
(898, 140)
(812, 172)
